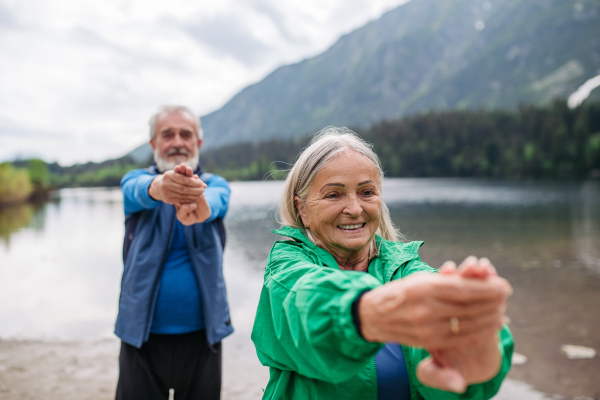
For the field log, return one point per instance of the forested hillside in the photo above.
(530, 142)
(424, 55)
(106, 173)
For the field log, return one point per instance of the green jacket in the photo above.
(305, 333)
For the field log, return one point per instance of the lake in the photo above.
(60, 262)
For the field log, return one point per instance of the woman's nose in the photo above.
(353, 207)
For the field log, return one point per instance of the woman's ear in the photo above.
(300, 207)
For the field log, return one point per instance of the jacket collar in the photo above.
(393, 253)
(295, 233)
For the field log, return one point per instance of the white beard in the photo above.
(164, 165)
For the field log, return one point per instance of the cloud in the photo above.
(6, 17)
(11, 132)
(17, 142)
(80, 79)
(83, 36)
(229, 35)
(279, 19)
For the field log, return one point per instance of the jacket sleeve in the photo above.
(217, 195)
(480, 391)
(304, 320)
(135, 185)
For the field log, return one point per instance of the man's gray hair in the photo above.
(171, 110)
(327, 144)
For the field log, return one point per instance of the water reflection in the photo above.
(59, 278)
(586, 226)
(14, 218)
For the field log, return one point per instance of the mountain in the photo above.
(426, 54)
(141, 155)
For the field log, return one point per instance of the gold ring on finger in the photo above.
(454, 325)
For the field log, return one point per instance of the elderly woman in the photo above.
(349, 312)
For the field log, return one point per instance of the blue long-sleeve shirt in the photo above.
(178, 307)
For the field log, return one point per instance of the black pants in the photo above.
(184, 363)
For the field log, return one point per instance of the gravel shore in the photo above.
(87, 370)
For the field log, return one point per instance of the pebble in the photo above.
(518, 359)
(574, 352)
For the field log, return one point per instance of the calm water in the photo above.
(60, 263)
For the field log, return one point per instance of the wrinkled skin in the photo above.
(176, 137)
(345, 192)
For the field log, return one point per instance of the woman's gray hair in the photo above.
(325, 145)
(171, 110)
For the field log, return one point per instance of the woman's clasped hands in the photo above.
(455, 315)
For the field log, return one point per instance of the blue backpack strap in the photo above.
(131, 221)
(152, 170)
(205, 177)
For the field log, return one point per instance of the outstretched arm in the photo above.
(135, 187)
(304, 322)
(416, 310)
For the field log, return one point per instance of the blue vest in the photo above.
(147, 237)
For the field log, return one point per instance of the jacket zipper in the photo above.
(162, 264)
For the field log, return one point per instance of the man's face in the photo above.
(176, 141)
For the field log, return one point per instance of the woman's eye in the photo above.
(368, 193)
(331, 196)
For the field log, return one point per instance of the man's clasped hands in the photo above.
(185, 190)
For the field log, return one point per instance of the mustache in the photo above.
(178, 151)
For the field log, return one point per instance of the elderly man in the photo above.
(173, 310)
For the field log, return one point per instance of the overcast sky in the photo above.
(79, 79)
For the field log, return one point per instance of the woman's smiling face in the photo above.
(342, 207)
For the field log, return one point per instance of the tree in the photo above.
(38, 173)
(15, 184)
